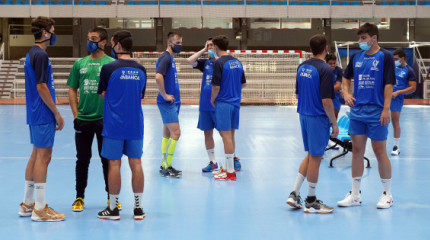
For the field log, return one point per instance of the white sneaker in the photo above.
(396, 151)
(350, 200)
(218, 171)
(385, 201)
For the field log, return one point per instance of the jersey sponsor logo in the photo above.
(93, 64)
(234, 64)
(83, 70)
(208, 80)
(307, 73)
(375, 65)
(402, 74)
(358, 64)
(129, 75)
(207, 67)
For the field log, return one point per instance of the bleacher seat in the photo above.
(172, 3)
(344, 3)
(405, 3)
(103, 3)
(1, 2)
(163, 2)
(335, 3)
(192, 2)
(182, 3)
(284, 3)
(152, 3)
(264, 3)
(234, 3)
(294, 3)
(131, 3)
(70, 2)
(92, 2)
(8, 2)
(315, 3)
(213, 3)
(50, 2)
(40, 2)
(273, 3)
(426, 3)
(305, 3)
(325, 3)
(223, 3)
(355, 3)
(28, 2)
(395, 3)
(61, 2)
(384, 3)
(82, 2)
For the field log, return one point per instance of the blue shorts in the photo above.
(227, 116)
(113, 149)
(42, 136)
(206, 120)
(169, 112)
(364, 120)
(336, 103)
(397, 104)
(315, 133)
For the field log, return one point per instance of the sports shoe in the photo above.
(218, 171)
(25, 210)
(78, 205)
(385, 201)
(237, 165)
(139, 214)
(171, 172)
(109, 214)
(226, 176)
(163, 170)
(210, 167)
(396, 151)
(317, 206)
(294, 200)
(119, 206)
(350, 200)
(47, 214)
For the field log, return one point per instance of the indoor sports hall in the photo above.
(270, 39)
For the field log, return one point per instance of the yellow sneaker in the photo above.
(25, 210)
(78, 205)
(47, 214)
(119, 205)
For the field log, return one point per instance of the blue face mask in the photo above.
(176, 48)
(397, 63)
(364, 46)
(53, 39)
(212, 53)
(92, 46)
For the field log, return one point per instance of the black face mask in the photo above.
(115, 54)
(51, 40)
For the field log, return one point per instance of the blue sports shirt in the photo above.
(314, 82)
(124, 82)
(229, 75)
(166, 66)
(38, 69)
(403, 76)
(371, 74)
(337, 77)
(206, 66)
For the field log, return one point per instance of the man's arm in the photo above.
(159, 79)
(45, 95)
(412, 87)
(329, 110)
(385, 115)
(193, 59)
(73, 100)
(215, 92)
(337, 86)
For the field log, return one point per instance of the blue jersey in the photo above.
(166, 66)
(124, 82)
(337, 77)
(38, 69)
(206, 66)
(229, 75)
(403, 76)
(314, 82)
(371, 74)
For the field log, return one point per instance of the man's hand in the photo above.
(395, 94)
(60, 121)
(349, 99)
(213, 102)
(169, 98)
(335, 130)
(385, 117)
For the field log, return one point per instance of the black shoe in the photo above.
(139, 214)
(177, 171)
(171, 172)
(109, 214)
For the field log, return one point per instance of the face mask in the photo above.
(397, 63)
(114, 54)
(51, 40)
(212, 53)
(176, 48)
(92, 46)
(364, 46)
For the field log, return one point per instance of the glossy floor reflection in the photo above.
(197, 207)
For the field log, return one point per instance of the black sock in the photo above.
(311, 199)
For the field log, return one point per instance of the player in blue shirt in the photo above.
(43, 119)
(206, 110)
(314, 89)
(227, 83)
(169, 102)
(374, 77)
(337, 81)
(122, 84)
(406, 83)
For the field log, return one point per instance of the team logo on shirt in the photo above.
(358, 64)
(83, 70)
(86, 82)
(207, 67)
(234, 64)
(208, 80)
(129, 75)
(402, 74)
(375, 65)
(307, 73)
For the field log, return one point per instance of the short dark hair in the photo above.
(221, 42)
(101, 31)
(123, 37)
(400, 52)
(209, 39)
(171, 35)
(330, 56)
(39, 24)
(370, 29)
(317, 44)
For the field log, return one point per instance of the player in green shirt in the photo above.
(88, 110)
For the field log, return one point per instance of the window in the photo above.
(265, 23)
(131, 23)
(343, 23)
(216, 23)
(186, 23)
(296, 23)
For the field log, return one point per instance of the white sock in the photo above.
(138, 200)
(312, 188)
(28, 192)
(211, 154)
(386, 186)
(396, 142)
(39, 192)
(113, 201)
(299, 181)
(356, 182)
(234, 155)
(229, 163)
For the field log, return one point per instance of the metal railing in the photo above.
(1, 53)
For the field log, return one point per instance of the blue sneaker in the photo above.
(210, 167)
(237, 165)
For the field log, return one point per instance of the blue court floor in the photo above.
(197, 207)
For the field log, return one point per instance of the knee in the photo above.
(208, 134)
(176, 134)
